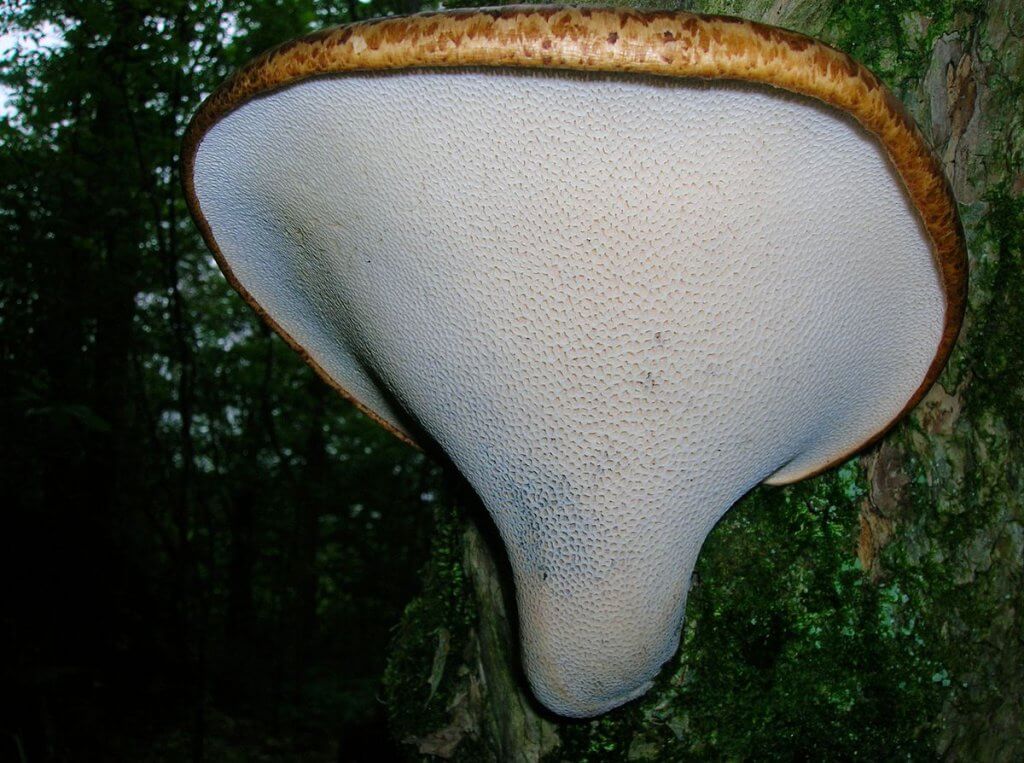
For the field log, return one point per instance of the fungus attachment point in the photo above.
(617, 296)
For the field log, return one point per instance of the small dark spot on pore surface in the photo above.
(613, 38)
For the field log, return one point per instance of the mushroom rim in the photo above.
(671, 44)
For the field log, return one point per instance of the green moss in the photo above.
(997, 330)
(958, 559)
(426, 650)
(893, 38)
(795, 653)
(603, 740)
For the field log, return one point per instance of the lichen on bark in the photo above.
(873, 612)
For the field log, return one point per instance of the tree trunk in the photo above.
(875, 611)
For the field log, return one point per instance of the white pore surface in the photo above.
(616, 303)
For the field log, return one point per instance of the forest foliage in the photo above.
(205, 545)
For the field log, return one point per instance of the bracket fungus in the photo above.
(621, 267)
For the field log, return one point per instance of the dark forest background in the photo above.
(204, 548)
(207, 555)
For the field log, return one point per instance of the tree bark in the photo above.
(891, 586)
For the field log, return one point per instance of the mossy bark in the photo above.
(873, 612)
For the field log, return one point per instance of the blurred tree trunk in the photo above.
(923, 535)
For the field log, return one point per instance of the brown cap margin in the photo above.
(662, 43)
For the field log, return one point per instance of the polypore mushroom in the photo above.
(620, 266)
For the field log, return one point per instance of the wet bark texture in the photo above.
(875, 611)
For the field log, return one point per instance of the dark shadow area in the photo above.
(205, 550)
